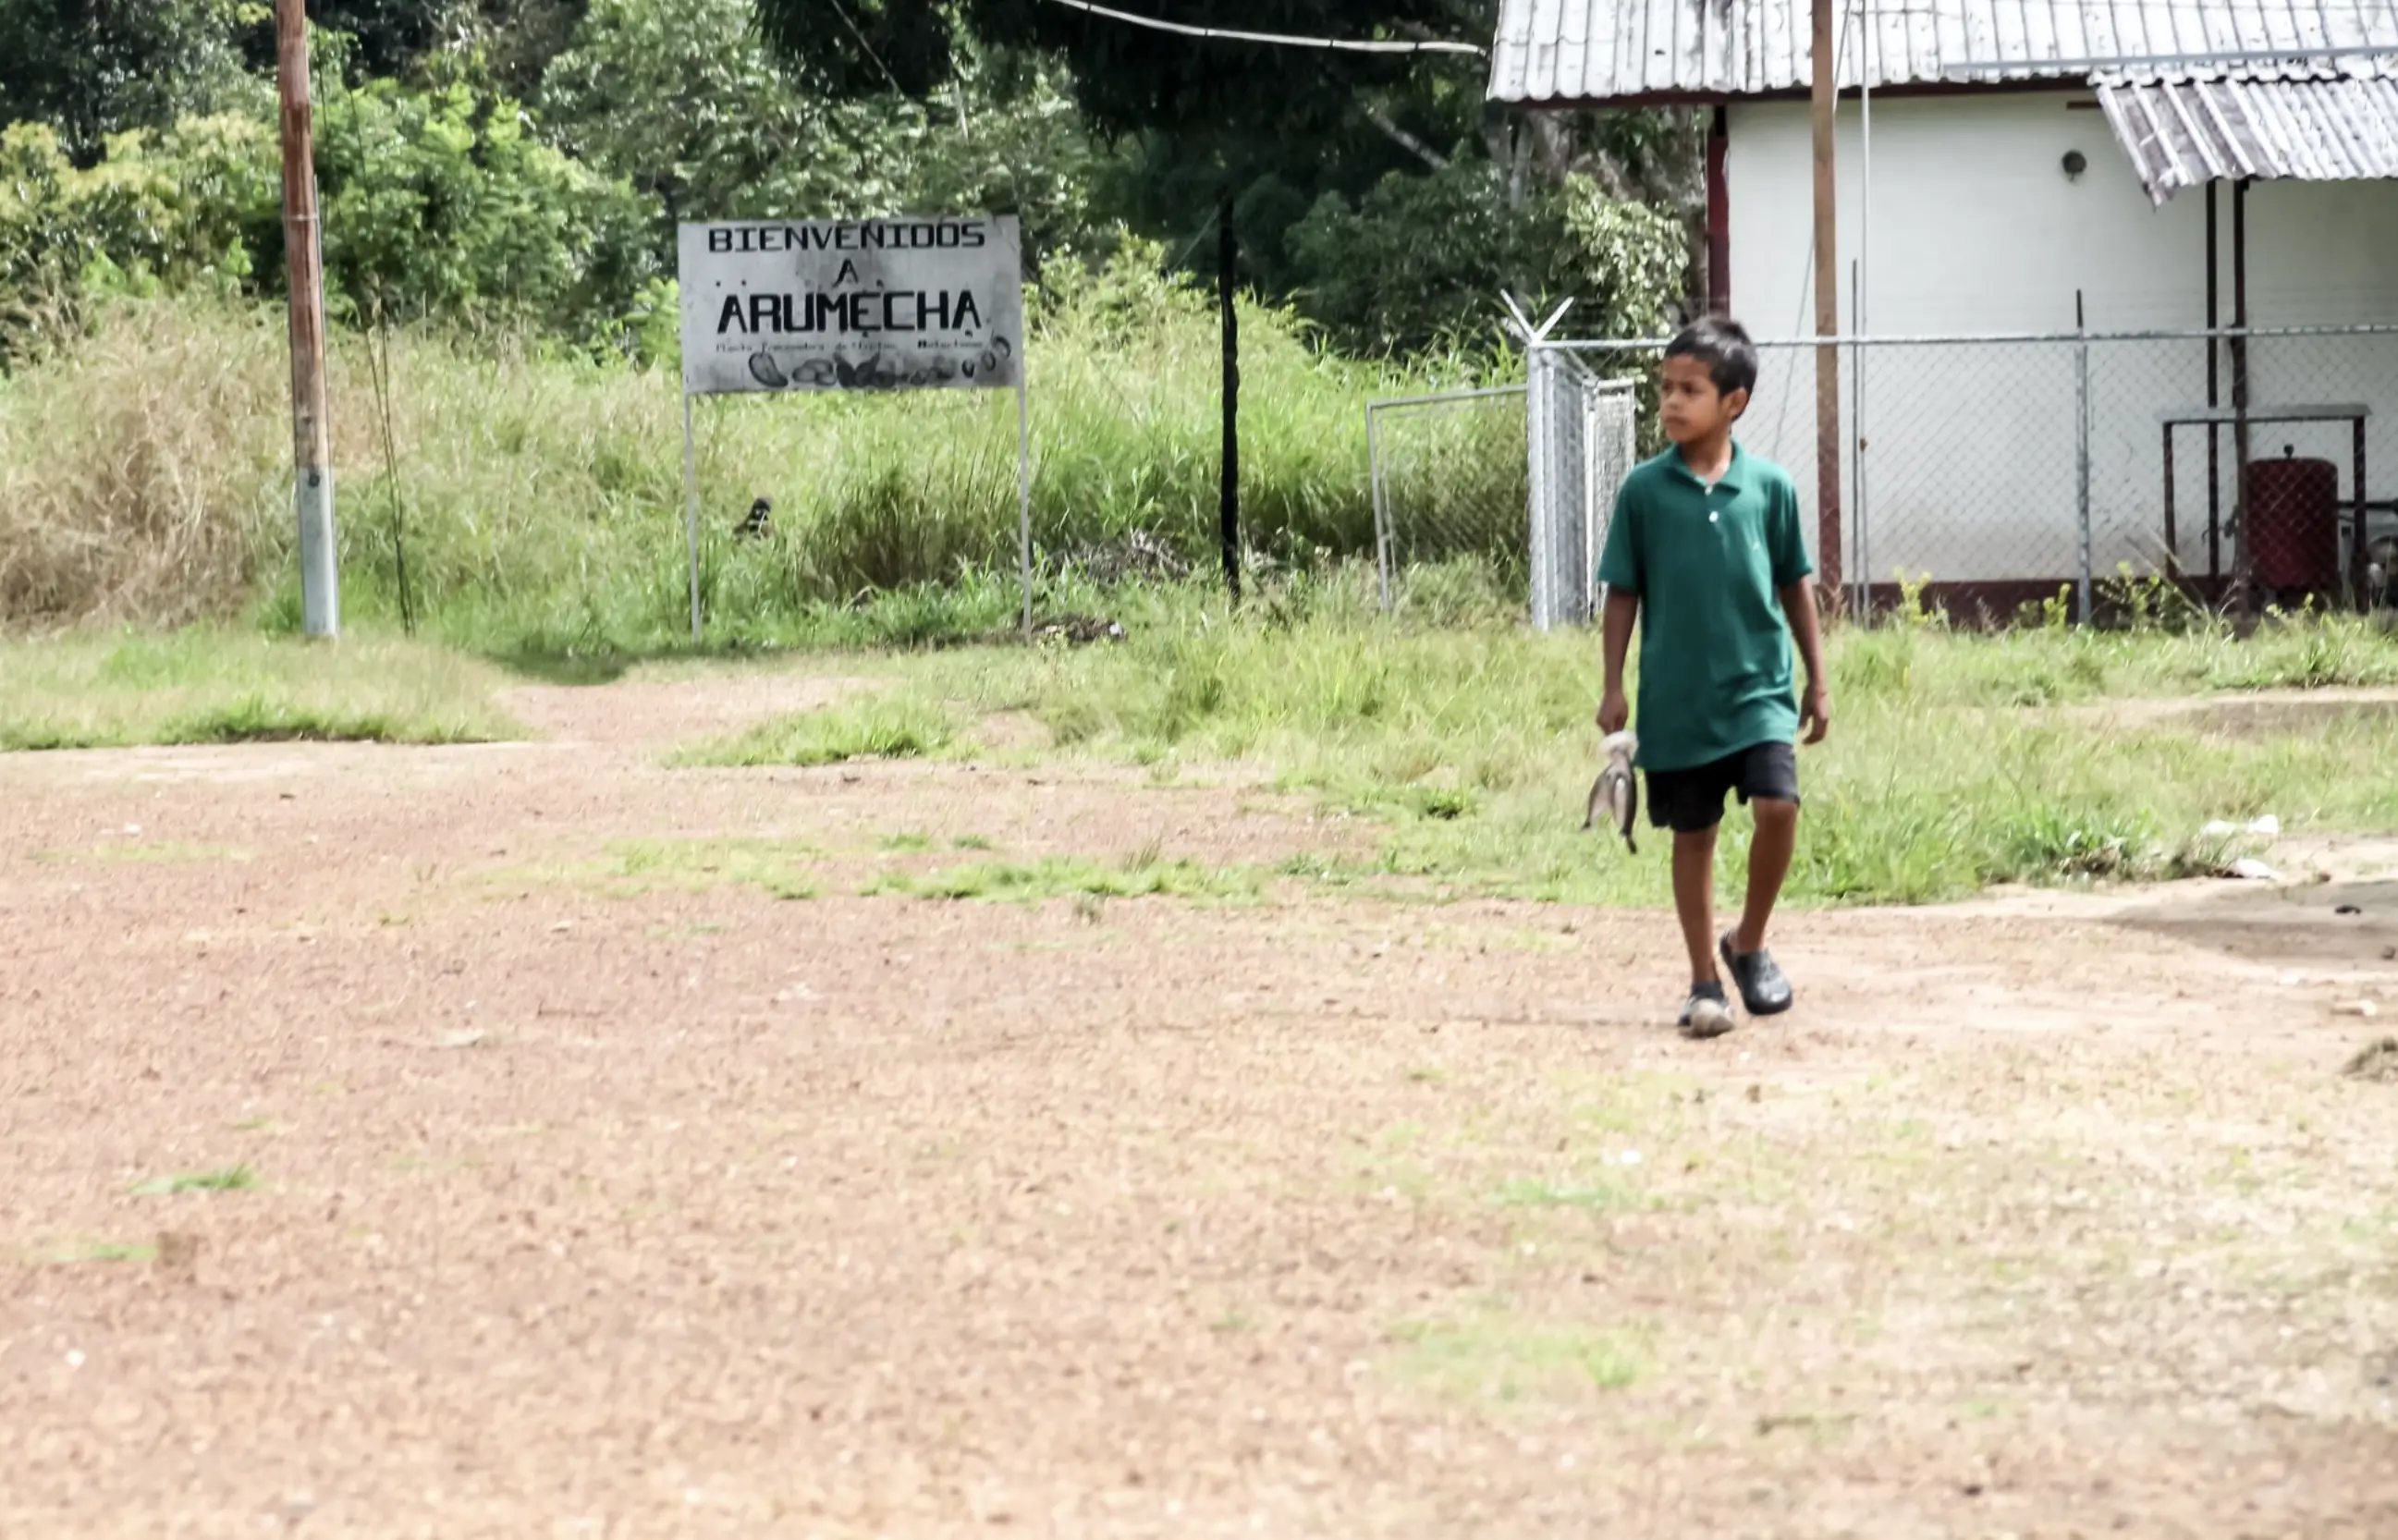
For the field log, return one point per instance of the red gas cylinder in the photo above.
(2294, 523)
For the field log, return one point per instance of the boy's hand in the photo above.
(1614, 712)
(1815, 712)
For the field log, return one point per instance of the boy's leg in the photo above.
(1768, 866)
(1690, 803)
(1770, 785)
(1694, 899)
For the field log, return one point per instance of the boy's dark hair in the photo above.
(1723, 345)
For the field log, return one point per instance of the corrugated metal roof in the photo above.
(2185, 131)
(1559, 53)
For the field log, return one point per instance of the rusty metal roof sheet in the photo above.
(1564, 52)
(2186, 130)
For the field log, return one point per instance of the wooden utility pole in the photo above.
(1825, 76)
(311, 435)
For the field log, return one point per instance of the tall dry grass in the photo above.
(137, 471)
(144, 473)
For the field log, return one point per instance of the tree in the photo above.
(90, 68)
(681, 98)
(501, 46)
(443, 204)
(1126, 77)
(1318, 148)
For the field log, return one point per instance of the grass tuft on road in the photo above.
(901, 727)
(1147, 875)
(1498, 1356)
(231, 1179)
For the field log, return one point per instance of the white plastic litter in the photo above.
(2359, 1008)
(2249, 869)
(2269, 826)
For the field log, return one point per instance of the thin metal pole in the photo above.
(1864, 185)
(1862, 613)
(320, 591)
(1228, 262)
(1024, 485)
(691, 509)
(2244, 564)
(1857, 304)
(2081, 452)
(1442, 397)
(2214, 386)
(2360, 546)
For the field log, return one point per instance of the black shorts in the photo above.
(1691, 800)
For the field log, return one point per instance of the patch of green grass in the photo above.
(888, 728)
(1468, 753)
(630, 867)
(84, 1254)
(230, 1179)
(206, 685)
(1496, 1356)
(1145, 876)
(906, 843)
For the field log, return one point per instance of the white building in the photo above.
(2012, 166)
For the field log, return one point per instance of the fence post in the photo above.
(2081, 456)
(1540, 380)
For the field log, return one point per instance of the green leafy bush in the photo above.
(1421, 262)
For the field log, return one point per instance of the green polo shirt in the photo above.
(1708, 564)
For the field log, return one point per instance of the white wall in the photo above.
(1976, 228)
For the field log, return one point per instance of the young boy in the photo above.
(1706, 552)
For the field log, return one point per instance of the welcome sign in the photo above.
(933, 303)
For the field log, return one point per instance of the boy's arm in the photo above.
(1623, 610)
(1815, 705)
(1621, 567)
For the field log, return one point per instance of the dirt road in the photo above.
(473, 1142)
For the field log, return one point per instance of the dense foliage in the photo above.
(522, 164)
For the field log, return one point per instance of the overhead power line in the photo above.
(1274, 39)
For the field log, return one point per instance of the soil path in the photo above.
(543, 1173)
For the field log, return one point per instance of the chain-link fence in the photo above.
(1451, 487)
(1508, 488)
(2001, 472)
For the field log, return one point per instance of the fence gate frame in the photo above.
(1580, 428)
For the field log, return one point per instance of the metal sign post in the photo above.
(854, 306)
(691, 507)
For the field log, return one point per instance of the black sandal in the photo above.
(1763, 990)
